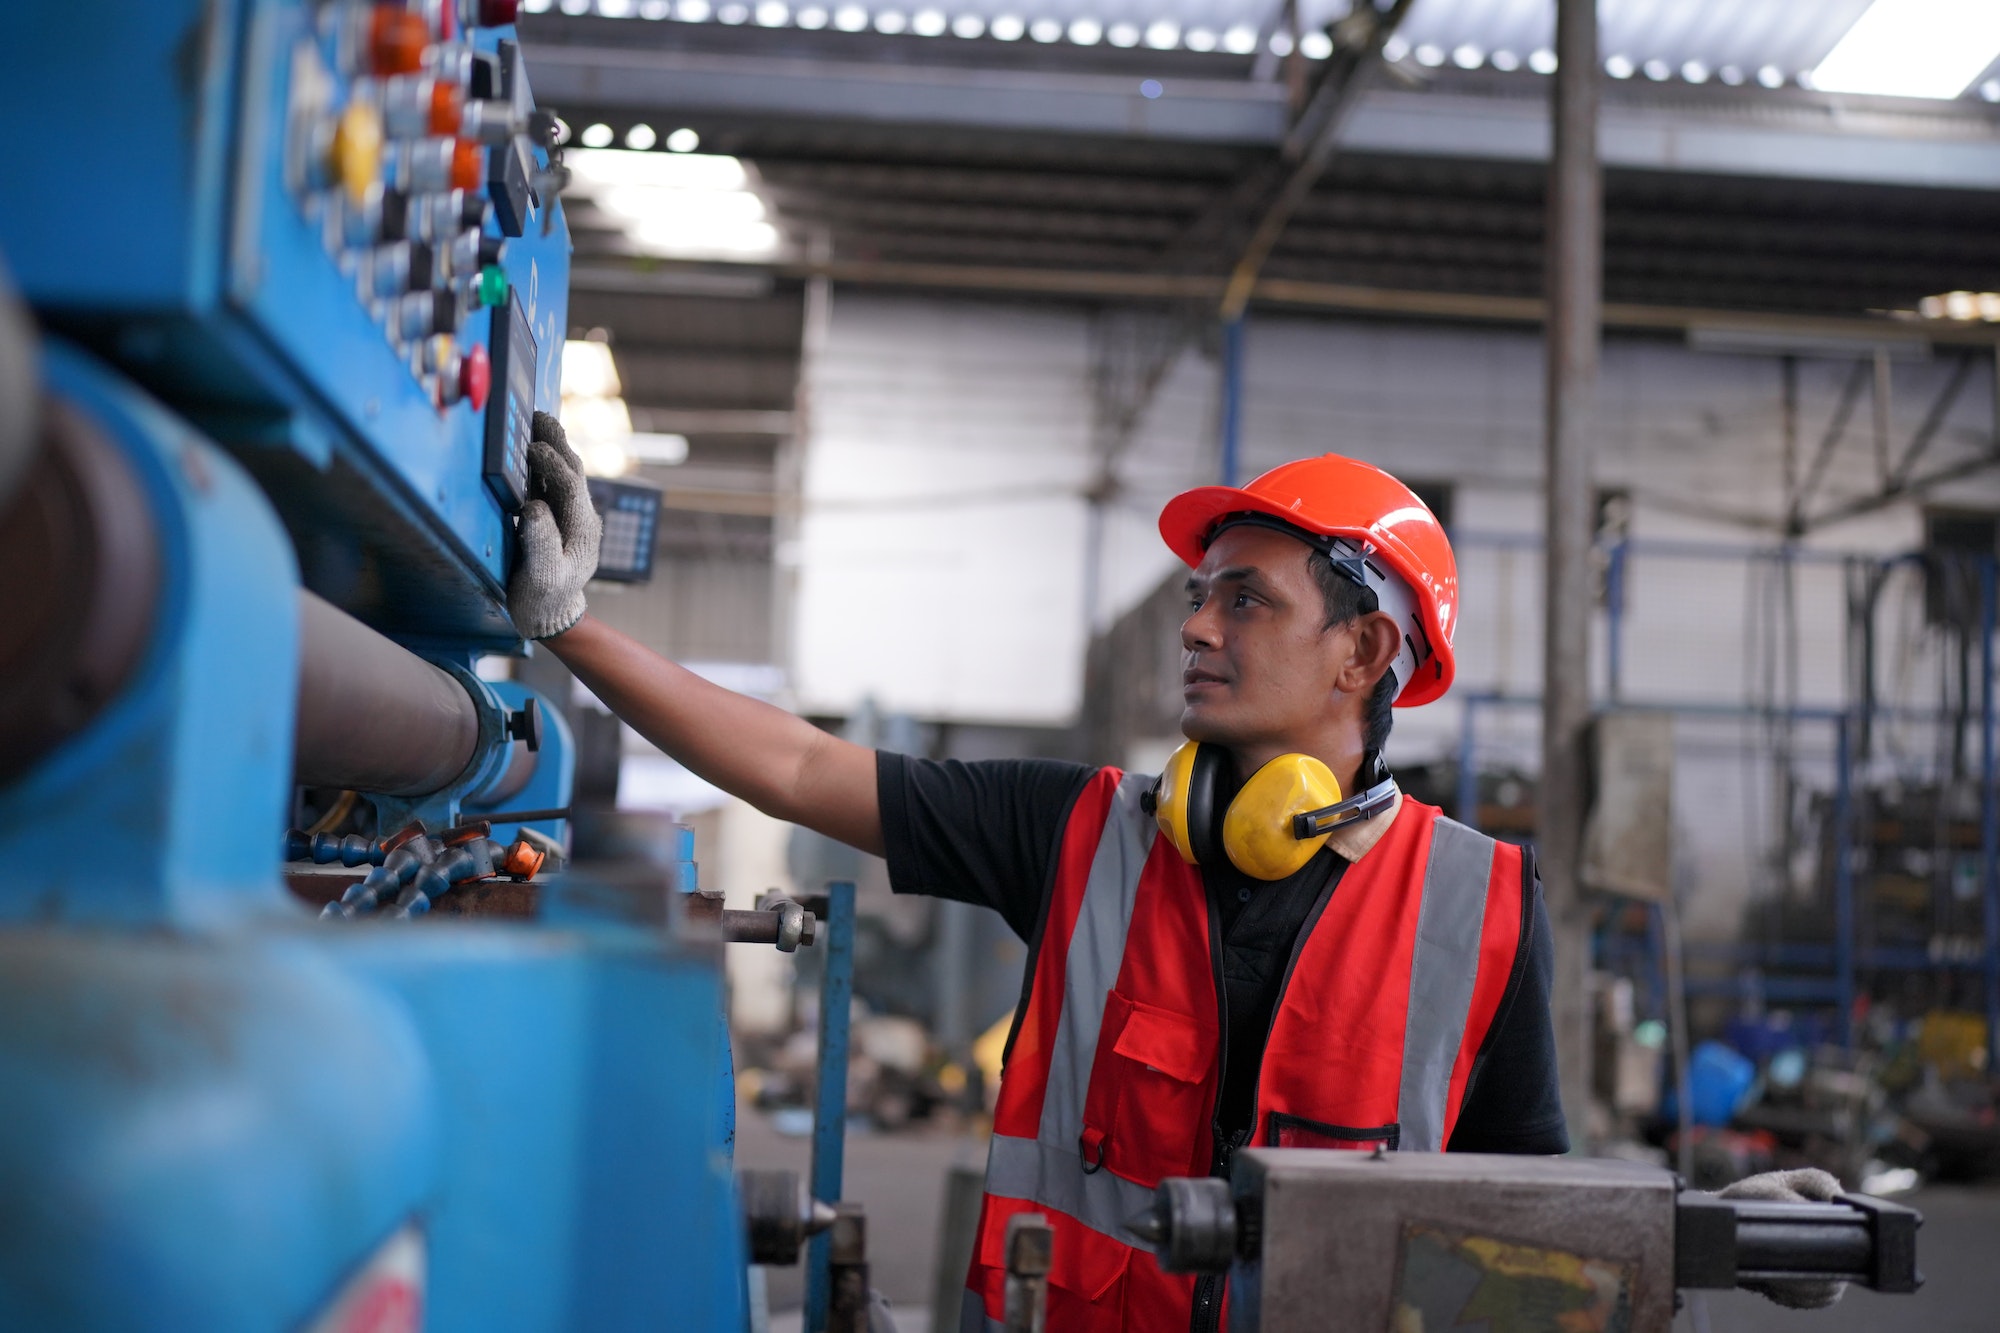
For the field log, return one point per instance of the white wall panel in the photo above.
(941, 544)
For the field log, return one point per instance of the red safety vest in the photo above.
(1112, 1077)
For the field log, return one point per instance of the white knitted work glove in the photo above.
(1807, 1184)
(558, 537)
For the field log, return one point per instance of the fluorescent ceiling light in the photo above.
(613, 167)
(596, 418)
(588, 370)
(721, 208)
(699, 238)
(679, 205)
(657, 450)
(1913, 48)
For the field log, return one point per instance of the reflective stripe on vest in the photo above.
(1443, 967)
(1096, 949)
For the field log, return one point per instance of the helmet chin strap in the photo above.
(1378, 795)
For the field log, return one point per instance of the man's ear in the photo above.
(1376, 641)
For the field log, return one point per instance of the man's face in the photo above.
(1260, 667)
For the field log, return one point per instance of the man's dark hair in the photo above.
(1347, 600)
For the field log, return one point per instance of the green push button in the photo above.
(492, 285)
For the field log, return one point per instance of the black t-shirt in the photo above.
(988, 833)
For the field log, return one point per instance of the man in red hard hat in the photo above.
(1265, 945)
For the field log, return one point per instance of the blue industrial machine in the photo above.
(299, 271)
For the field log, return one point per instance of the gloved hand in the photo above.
(1807, 1184)
(559, 533)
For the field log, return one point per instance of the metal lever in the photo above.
(1192, 1226)
(779, 1215)
(1030, 1251)
(778, 921)
(1722, 1243)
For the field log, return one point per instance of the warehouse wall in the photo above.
(942, 530)
(975, 608)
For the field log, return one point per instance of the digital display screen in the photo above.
(631, 514)
(510, 414)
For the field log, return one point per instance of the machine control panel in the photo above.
(320, 266)
(510, 417)
(388, 146)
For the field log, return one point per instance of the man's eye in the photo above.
(1242, 601)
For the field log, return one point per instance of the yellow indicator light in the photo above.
(357, 149)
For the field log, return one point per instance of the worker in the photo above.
(1266, 945)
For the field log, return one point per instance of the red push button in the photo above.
(475, 377)
(397, 40)
(447, 107)
(468, 165)
(498, 13)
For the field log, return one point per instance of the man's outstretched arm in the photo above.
(782, 764)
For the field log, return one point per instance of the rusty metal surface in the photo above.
(373, 716)
(1340, 1229)
(81, 563)
(1628, 838)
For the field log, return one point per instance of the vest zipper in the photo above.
(1206, 1315)
(1207, 1305)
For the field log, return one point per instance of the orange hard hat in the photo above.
(1357, 503)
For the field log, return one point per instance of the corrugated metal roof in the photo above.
(1685, 40)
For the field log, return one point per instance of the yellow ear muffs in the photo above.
(1184, 802)
(1257, 832)
(1170, 800)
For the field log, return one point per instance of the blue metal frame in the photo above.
(218, 1109)
(829, 1144)
(216, 1117)
(1843, 881)
(165, 806)
(1844, 958)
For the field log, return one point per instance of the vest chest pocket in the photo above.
(1149, 1092)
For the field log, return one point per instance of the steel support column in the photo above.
(1575, 271)
(1232, 399)
(1989, 808)
(1843, 880)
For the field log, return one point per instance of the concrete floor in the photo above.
(900, 1179)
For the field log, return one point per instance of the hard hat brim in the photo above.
(1188, 517)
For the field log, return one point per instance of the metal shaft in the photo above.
(1575, 310)
(1030, 1252)
(373, 716)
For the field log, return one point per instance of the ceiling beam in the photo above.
(1750, 132)
(1350, 299)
